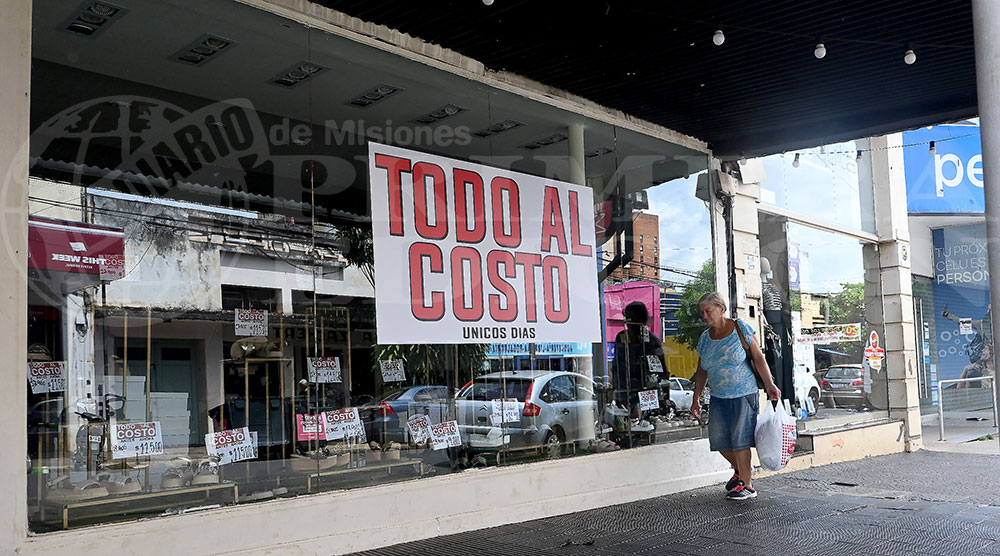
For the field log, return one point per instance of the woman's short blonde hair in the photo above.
(714, 298)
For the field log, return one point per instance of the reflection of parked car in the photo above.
(682, 392)
(845, 385)
(553, 407)
(806, 386)
(385, 419)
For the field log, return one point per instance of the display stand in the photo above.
(143, 501)
(417, 464)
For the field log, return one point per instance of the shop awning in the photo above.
(66, 256)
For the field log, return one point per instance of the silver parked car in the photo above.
(554, 407)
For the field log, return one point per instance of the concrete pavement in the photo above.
(939, 501)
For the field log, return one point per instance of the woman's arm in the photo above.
(700, 378)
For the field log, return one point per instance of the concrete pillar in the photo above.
(15, 58)
(986, 25)
(887, 275)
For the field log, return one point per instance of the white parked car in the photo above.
(682, 392)
(806, 386)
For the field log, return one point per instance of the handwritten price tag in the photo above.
(130, 440)
(344, 423)
(648, 399)
(504, 411)
(49, 376)
(392, 370)
(324, 369)
(251, 322)
(420, 428)
(232, 445)
(445, 435)
(654, 364)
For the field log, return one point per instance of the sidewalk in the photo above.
(930, 502)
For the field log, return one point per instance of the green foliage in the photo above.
(845, 307)
(427, 364)
(691, 324)
(359, 250)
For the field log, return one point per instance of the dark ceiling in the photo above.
(762, 91)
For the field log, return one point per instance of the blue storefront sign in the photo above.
(961, 301)
(562, 349)
(949, 181)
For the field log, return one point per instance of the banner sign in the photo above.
(513, 259)
(544, 348)
(963, 343)
(950, 180)
(251, 322)
(48, 376)
(232, 445)
(343, 423)
(829, 333)
(130, 440)
(392, 370)
(309, 427)
(445, 435)
(323, 369)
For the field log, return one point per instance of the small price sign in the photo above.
(445, 435)
(649, 399)
(504, 411)
(232, 445)
(420, 428)
(324, 369)
(344, 423)
(48, 376)
(251, 322)
(309, 427)
(130, 440)
(392, 370)
(111, 266)
(654, 364)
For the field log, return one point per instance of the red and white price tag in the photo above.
(251, 322)
(48, 376)
(324, 369)
(504, 411)
(392, 370)
(649, 399)
(445, 435)
(344, 423)
(232, 445)
(130, 440)
(420, 428)
(309, 427)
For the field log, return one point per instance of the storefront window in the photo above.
(209, 320)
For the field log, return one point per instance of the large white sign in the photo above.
(445, 435)
(250, 322)
(48, 376)
(344, 423)
(467, 253)
(130, 440)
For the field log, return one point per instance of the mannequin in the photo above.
(776, 343)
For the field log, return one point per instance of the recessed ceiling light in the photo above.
(202, 49)
(298, 73)
(498, 127)
(92, 18)
(374, 95)
(445, 111)
(545, 141)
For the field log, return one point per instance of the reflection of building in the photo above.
(813, 308)
(645, 263)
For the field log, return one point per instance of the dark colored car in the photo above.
(845, 385)
(385, 418)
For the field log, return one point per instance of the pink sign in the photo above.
(310, 427)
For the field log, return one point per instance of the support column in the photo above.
(887, 272)
(15, 58)
(986, 34)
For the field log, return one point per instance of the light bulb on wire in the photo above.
(932, 150)
(719, 37)
(795, 163)
(743, 159)
(859, 157)
(910, 56)
(488, 2)
(820, 51)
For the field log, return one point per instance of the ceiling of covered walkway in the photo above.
(763, 90)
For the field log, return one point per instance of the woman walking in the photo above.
(723, 364)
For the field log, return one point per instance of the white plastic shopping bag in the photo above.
(775, 437)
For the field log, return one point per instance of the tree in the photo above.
(691, 324)
(846, 307)
(359, 250)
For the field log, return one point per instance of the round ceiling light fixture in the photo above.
(719, 37)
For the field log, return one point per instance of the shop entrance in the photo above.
(174, 389)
